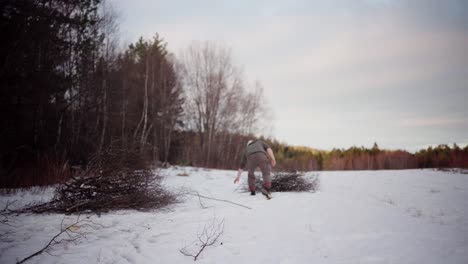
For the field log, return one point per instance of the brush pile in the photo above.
(293, 182)
(110, 184)
(139, 190)
(290, 182)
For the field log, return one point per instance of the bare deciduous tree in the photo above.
(149, 100)
(211, 78)
(217, 102)
(110, 30)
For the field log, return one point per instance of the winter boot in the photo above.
(267, 193)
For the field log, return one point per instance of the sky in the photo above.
(335, 74)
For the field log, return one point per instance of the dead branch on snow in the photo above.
(5, 212)
(68, 233)
(195, 193)
(208, 237)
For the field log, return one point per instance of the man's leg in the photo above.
(251, 173)
(266, 172)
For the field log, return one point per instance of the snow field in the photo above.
(411, 216)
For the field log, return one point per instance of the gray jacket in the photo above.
(253, 147)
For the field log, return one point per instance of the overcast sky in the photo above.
(335, 73)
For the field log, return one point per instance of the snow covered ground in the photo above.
(413, 216)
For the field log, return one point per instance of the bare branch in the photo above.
(195, 193)
(208, 237)
(71, 231)
(4, 213)
(201, 203)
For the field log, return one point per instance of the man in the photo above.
(257, 154)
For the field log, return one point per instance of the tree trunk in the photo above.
(104, 117)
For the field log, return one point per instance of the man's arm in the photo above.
(271, 156)
(242, 165)
(239, 173)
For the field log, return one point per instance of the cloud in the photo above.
(337, 73)
(434, 122)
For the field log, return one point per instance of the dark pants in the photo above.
(255, 160)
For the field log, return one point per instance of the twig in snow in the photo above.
(72, 231)
(237, 188)
(4, 213)
(207, 237)
(201, 203)
(194, 193)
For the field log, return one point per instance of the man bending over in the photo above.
(257, 154)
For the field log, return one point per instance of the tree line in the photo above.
(361, 158)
